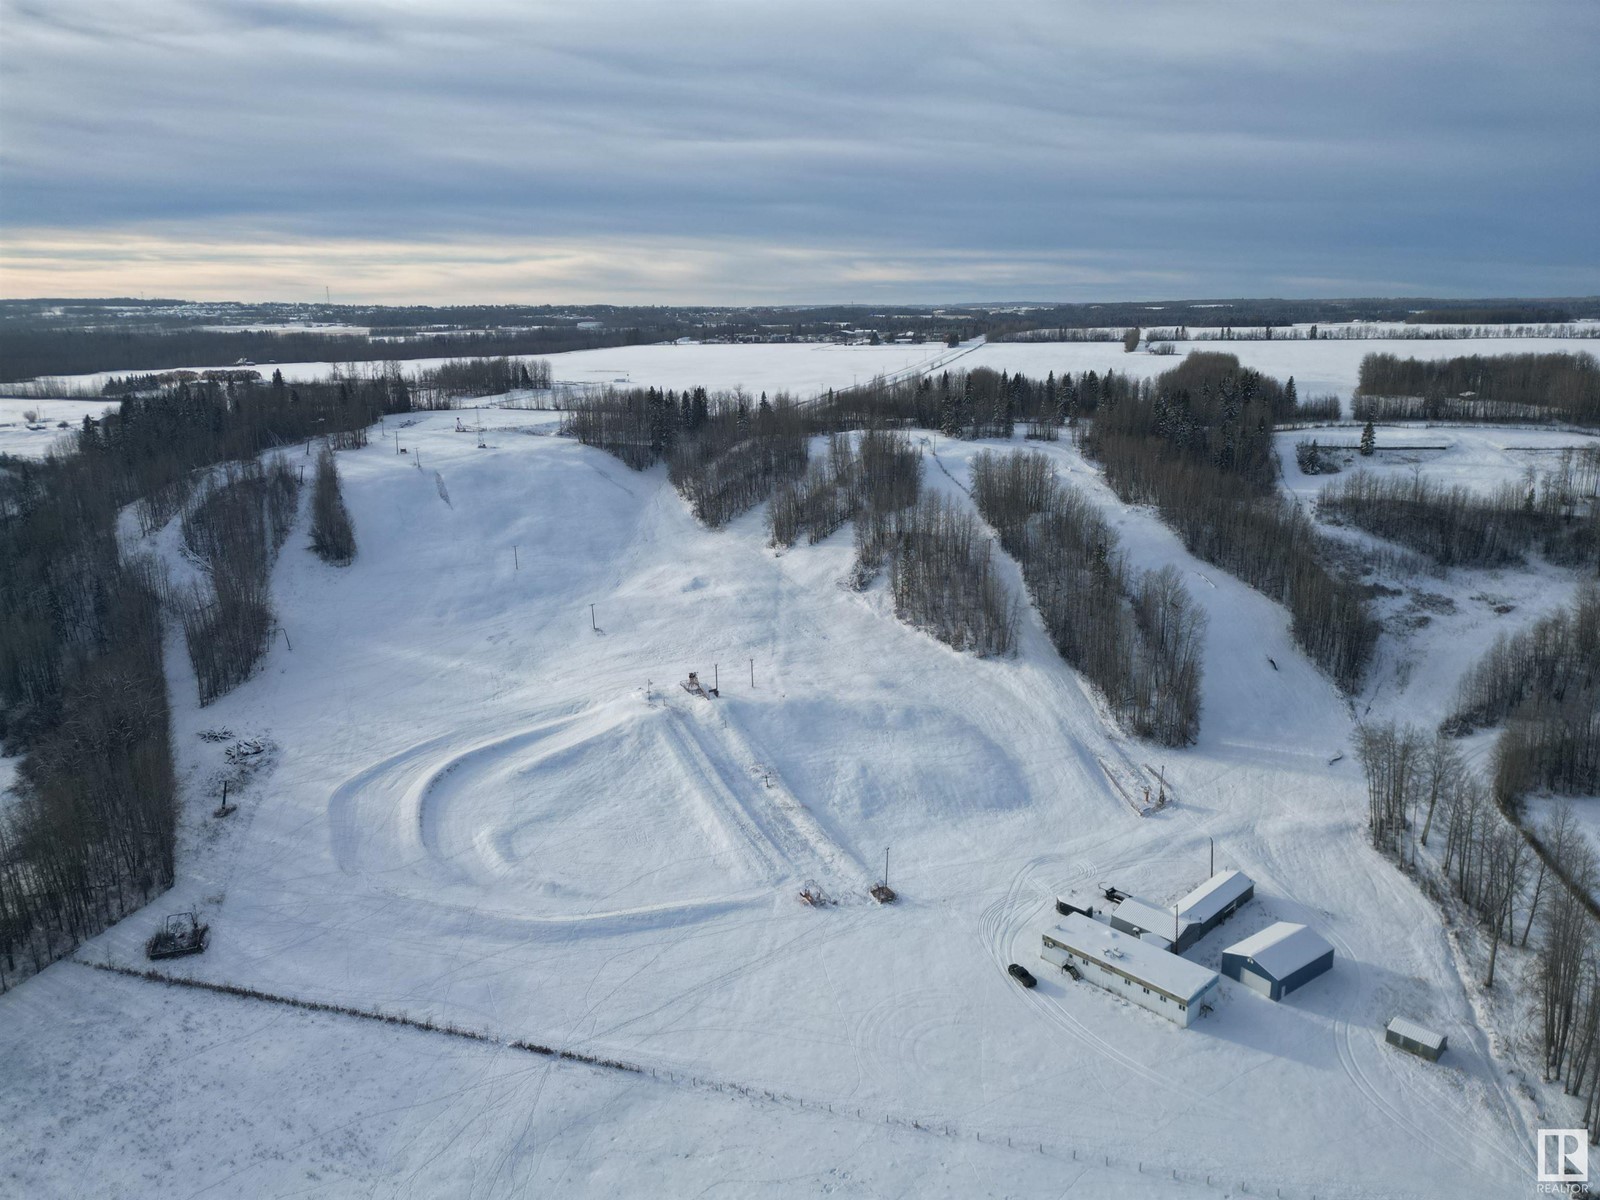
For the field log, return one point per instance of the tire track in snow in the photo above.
(644, 1072)
(1012, 909)
(720, 793)
(801, 829)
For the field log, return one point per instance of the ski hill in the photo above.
(488, 817)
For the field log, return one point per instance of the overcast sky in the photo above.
(768, 152)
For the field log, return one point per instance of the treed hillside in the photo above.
(82, 690)
(1135, 635)
(1197, 444)
(726, 456)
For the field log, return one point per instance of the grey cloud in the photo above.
(1240, 142)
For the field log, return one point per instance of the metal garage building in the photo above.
(1278, 959)
(1152, 978)
(1196, 915)
(1215, 900)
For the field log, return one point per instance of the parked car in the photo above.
(1022, 975)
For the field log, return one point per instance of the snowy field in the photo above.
(18, 435)
(1324, 367)
(478, 810)
(1483, 458)
(802, 369)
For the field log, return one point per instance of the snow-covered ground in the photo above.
(477, 809)
(1323, 367)
(1481, 457)
(8, 776)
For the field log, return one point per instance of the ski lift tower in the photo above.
(882, 892)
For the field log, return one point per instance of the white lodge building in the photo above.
(1149, 976)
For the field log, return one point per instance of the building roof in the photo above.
(1145, 915)
(1282, 949)
(1139, 960)
(1215, 894)
(1416, 1033)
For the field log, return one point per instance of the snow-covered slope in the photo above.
(480, 810)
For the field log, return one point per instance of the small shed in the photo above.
(1414, 1039)
(1277, 960)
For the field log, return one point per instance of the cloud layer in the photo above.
(753, 152)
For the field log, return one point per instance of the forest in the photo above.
(1550, 515)
(83, 695)
(1527, 388)
(1528, 884)
(1529, 887)
(1197, 444)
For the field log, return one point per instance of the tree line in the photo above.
(83, 695)
(942, 575)
(868, 477)
(1461, 526)
(1136, 637)
(29, 353)
(236, 530)
(333, 535)
(448, 383)
(1197, 442)
(1537, 388)
(1543, 684)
